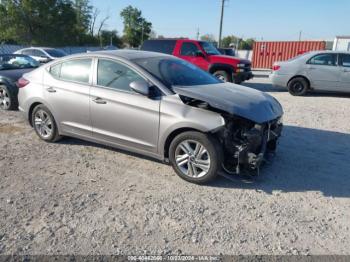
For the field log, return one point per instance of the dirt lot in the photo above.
(79, 198)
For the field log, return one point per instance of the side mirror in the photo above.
(141, 87)
(200, 54)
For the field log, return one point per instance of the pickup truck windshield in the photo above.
(9, 62)
(176, 72)
(209, 48)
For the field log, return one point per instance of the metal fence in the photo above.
(9, 49)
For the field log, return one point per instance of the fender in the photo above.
(225, 67)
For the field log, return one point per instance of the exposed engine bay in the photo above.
(246, 144)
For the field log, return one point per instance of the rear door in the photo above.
(323, 72)
(67, 91)
(189, 52)
(344, 62)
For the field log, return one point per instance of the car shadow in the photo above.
(307, 160)
(265, 87)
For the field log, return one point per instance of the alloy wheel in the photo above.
(192, 158)
(5, 101)
(43, 124)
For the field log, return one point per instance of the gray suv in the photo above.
(156, 105)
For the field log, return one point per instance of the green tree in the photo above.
(235, 41)
(110, 37)
(49, 23)
(136, 28)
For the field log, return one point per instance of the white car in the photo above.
(42, 54)
(317, 70)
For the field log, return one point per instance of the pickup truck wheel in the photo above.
(195, 157)
(7, 100)
(223, 76)
(298, 86)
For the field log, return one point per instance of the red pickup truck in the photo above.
(204, 55)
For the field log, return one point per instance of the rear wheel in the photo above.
(44, 124)
(7, 100)
(223, 76)
(195, 157)
(298, 86)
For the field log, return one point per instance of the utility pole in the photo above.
(198, 33)
(300, 33)
(221, 19)
(142, 32)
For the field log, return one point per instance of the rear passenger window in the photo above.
(115, 75)
(189, 49)
(323, 59)
(76, 70)
(345, 60)
(160, 46)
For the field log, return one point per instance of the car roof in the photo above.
(125, 54)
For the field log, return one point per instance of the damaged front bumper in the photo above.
(246, 145)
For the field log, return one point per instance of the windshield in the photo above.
(8, 62)
(55, 52)
(209, 48)
(176, 72)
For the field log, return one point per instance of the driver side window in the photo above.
(189, 49)
(115, 75)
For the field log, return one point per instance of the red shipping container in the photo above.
(265, 54)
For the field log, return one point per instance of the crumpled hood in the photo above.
(245, 102)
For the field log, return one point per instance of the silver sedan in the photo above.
(156, 105)
(319, 71)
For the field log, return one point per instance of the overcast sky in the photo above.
(260, 19)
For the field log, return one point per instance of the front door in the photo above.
(323, 72)
(67, 91)
(345, 72)
(118, 114)
(190, 52)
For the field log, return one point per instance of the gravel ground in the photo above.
(75, 197)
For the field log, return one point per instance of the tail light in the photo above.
(276, 67)
(22, 82)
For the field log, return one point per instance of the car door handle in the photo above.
(100, 101)
(51, 90)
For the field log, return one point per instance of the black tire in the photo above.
(11, 102)
(237, 81)
(214, 154)
(53, 136)
(298, 86)
(223, 76)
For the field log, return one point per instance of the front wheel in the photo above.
(223, 76)
(195, 157)
(44, 124)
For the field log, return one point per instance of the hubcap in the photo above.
(221, 77)
(43, 124)
(298, 87)
(4, 99)
(192, 158)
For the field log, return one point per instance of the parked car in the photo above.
(12, 67)
(42, 54)
(227, 51)
(156, 105)
(318, 70)
(205, 56)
